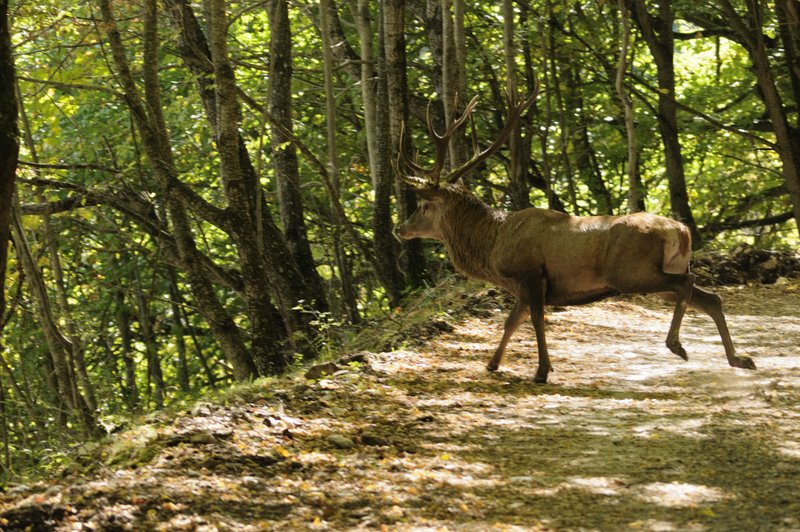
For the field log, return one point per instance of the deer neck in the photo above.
(470, 229)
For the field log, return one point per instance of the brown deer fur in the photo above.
(547, 257)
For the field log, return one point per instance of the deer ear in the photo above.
(459, 185)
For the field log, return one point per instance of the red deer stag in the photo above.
(547, 257)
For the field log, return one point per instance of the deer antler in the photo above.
(515, 110)
(432, 176)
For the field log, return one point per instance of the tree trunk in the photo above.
(58, 346)
(123, 319)
(159, 153)
(154, 373)
(658, 33)
(454, 86)
(284, 153)
(267, 264)
(349, 299)
(394, 49)
(627, 105)
(518, 184)
(373, 93)
(9, 145)
(178, 330)
(75, 340)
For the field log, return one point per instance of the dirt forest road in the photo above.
(626, 436)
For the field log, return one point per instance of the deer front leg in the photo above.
(518, 315)
(536, 292)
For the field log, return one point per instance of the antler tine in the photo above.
(403, 162)
(441, 141)
(440, 144)
(514, 112)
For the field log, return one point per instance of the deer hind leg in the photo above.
(679, 285)
(683, 293)
(711, 304)
(518, 315)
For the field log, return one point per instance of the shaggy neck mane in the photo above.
(470, 228)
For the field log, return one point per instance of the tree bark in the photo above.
(627, 105)
(373, 93)
(518, 184)
(9, 144)
(349, 299)
(58, 346)
(178, 330)
(159, 154)
(284, 153)
(658, 34)
(154, 373)
(283, 276)
(394, 49)
(123, 320)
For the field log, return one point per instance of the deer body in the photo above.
(546, 257)
(576, 255)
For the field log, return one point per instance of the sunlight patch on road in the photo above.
(680, 494)
(599, 485)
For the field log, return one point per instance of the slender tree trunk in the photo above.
(4, 428)
(373, 91)
(22, 392)
(586, 160)
(394, 49)
(787, 138)
(179, 331)
(9, 145)
(348, 288)
(518, 184)
(267, 264)
(453, 74)
(627, 105)
(75, 340)
(547, 117)
(123, 320)
(658, 34)
(58, 346)
(284, 152)
(154, 373)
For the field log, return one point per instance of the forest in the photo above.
(205, 194)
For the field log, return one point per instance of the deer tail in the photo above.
(677, 250)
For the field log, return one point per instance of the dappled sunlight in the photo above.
(625, 435)
(679, 494)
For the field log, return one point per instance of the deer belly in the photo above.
(576, 292)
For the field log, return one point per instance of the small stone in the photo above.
(373, 439)
(202, 438)
(342, 442)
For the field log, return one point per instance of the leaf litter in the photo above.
(420, 436)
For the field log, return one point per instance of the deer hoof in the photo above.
(678, 349)
(540, 379)
(492, 366)
(742, 362)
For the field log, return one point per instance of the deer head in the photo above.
(425, 222)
